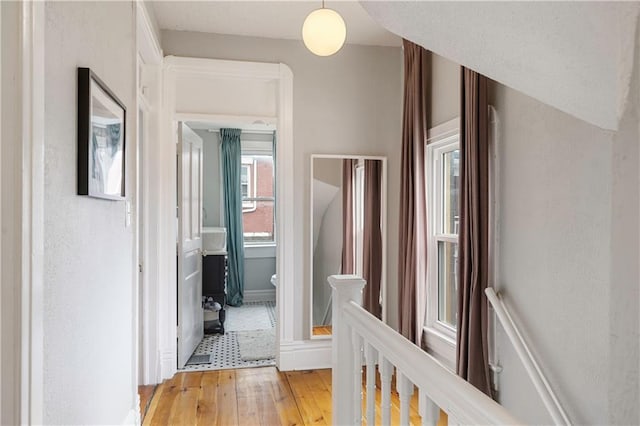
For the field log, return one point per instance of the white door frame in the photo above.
(149, 88)
(25, 240)
(280, 74)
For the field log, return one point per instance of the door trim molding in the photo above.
(149, 87)
(282, 75)
(31, 218)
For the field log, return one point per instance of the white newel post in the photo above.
(346, 288)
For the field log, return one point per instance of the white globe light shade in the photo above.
(324, 32)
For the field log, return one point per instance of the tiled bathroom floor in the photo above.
(225, 350)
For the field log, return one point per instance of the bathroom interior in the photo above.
(239, 324)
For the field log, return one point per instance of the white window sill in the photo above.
(259, 251)
(441, 346)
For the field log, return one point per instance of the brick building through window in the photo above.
(258, 200)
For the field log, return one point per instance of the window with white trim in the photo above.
(443, 207)
(258, 200)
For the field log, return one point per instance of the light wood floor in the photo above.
(146, 393)
(322, 330)
(252, 396)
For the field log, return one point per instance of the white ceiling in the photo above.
(271, 19)
(575, 56)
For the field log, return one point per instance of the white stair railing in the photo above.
(356, 333)
(551, 402)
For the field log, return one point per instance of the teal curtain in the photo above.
(231, 169)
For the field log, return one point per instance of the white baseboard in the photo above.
(168, 361)
(133, 416)
(260, 295)
(305, 355)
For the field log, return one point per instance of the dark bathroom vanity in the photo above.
(214, 286)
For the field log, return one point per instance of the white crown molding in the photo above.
(218, 68)
(148, 44)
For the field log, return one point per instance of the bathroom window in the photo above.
(258, 201)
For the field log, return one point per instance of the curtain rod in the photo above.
(256, 132)
(250, 132)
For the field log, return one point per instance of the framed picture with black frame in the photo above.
(101, 139)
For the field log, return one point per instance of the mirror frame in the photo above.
(383, 223)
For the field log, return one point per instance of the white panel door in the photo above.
(190, 312)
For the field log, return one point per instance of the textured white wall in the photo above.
(327, 253)
(571, 55)
(569, 252)
(624, 295)
(211, 186)
(88, 300)
(350, 103)
(10, 196)
(445, 90)
(555, 250)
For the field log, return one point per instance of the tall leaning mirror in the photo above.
(348, 231)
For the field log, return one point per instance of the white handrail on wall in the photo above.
(540, 382)
(357, 332)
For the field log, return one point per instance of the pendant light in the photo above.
(324, 31)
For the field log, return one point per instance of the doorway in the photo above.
(226, 175)
(205, 90)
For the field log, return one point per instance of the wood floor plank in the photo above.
(185, 407)
(167, 394)
(311, 413)
(288, 411)
(321, 394)
(322, 330)
(146, 394)
(227, 398)
(208, 399)
(251, 394)
(153, 406)
(192, 380)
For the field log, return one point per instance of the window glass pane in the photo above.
(448, 283)
(262, 166)
(245, 185)
(258, 222)
(450, 191)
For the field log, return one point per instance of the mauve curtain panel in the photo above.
(473, 267)
(372, 236)
(231, 169)
(348, 167)
(412, 230)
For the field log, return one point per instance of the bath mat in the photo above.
(257, 344)
(247, 317)
(199, 359)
